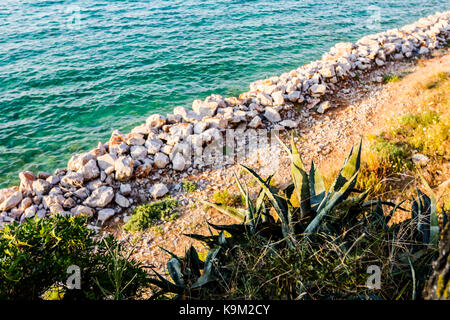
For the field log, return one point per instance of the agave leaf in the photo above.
(331, 200)
(174, 268)
(350, 168)
(316, 184)
(207, 275)
(434, 221)
(250, 213)
(233, 229)
(279, 204)
(301, 189)
(173, 255)
(237, 214)
(165, 284)
(193, 261)
(210, 241)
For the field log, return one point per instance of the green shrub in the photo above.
(189, 186)
(149, 214)
(391, 78)
(226, 198)
(35, 255)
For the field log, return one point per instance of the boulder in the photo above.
(144, 169)
(153, 145)
(161, 160)
(156, 121)
(124, 168)
(90, 170)
(178, 162)
(79, 160)
(11, 201)
(72, 179)
(278, 98)
(135, 139)
(272, 115)
(41, 187)
(255, 123)
(106, 161)
(318, 89)
(100, 197)
(138, 152)
(204, 109)
(26, 181)
(158, 190)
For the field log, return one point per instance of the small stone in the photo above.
(288, 123)
(324, 106)
(125, 189)
(204, 109)
(105, 214)
(420, 159)
(82, 210)
(121, 200)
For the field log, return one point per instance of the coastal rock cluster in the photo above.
(129, 168)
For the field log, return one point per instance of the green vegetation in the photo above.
(307, 242)
(391, 78)
(226, 198)
(149, 214)
(189, 186)
(35, 256)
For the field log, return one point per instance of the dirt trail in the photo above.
(365, 107)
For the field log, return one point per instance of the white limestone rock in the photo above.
(272, 115)
(158, 190)
(124, 168)
(100, 197)
(105, 214)
(11, 201)
(122, 201)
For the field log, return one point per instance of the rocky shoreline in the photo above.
(109, 180)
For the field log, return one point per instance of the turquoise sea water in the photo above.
(72, 71)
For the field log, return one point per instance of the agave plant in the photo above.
(300, 208)
(189, 274)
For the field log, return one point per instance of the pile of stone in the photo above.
(109, 179)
